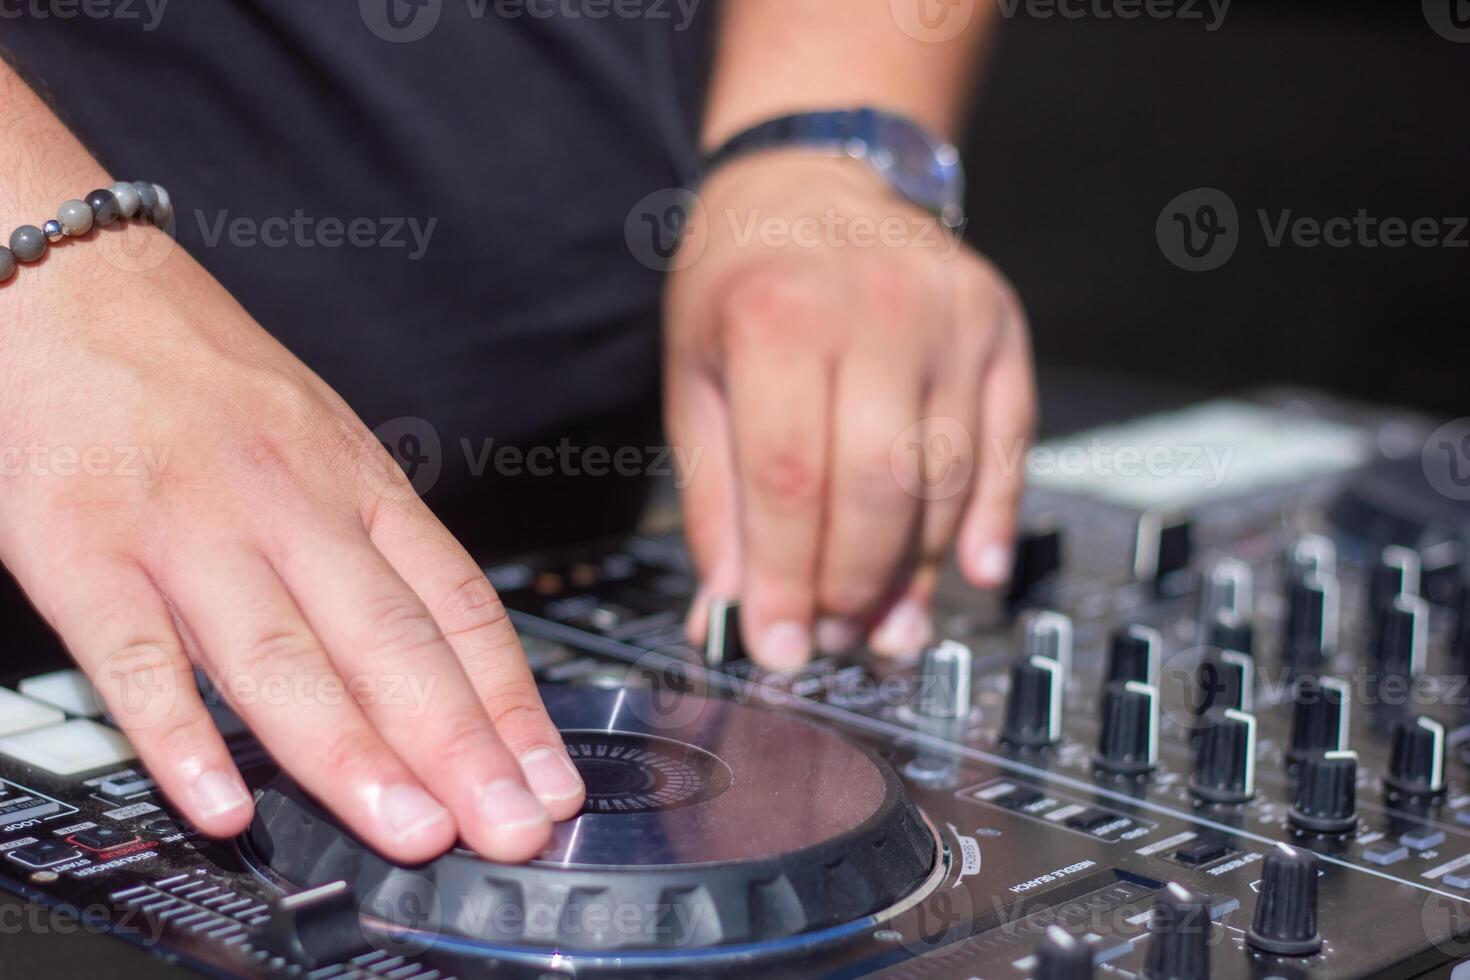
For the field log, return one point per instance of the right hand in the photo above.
(198, 496)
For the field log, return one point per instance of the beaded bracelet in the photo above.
(101, 208)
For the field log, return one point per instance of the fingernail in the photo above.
(994, 566)
(837, 634)
(410, 811)
(551, 774)
(508, 805)
(217, 793)
(905, 630)
(785, 646)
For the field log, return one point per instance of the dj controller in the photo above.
(1215, 726)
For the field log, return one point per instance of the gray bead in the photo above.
(7, 263)
(53, 231)
(75, 217)
(147, 199)
(165, 208)
(127, 199)
(28, 243)
(104, 207)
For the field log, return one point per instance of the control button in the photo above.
(1048, 634)
(1061, 956)
(43, 853)
(1422, 838)
(1326, 798)
(1224, 679)
(1203, 850)
(1285, 922)
(1034, 704)
(1233, 632)
(1019, 799)
(103, 838)
(1416, 765)
(1227, 588)
(1129, 744)
(120, 786)
(68, 690)
(315, 927)
(1311, 553)
(1134, 653)
(1180, 946)
(1385, 853)
(1457, 881)
(1164, 546)
(1089, 819)
(1038, 559)
(945, 673)
(69, 748)
(1395, 573)
(1319, 721)
(723, 644)
(16, 809)
(1311, 621)
(1225, 765)
(20, 714)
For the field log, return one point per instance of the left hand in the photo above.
(853, 390)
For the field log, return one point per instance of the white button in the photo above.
(18, 714)
(68, 690)
(69, 748)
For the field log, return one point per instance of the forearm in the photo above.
(781, 56)
(41, 162)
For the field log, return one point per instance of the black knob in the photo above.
(1326, 794)
(1231, 631)
(1225, 764)
(315, 927)
(1460, 644)
(1311, 622)
(1129, 744)
(1286, 910)
(1048, 634)
(1319, 720)
(1416, 765)
(945, 672)
(1395, 573)
(1180, 946)
(1038, 559)
(1134, 654)
(1062, 956)
(1164, 545)
(1311, 553)
(1401, 636)
(1224, 679)
(723, 644)
(1034, 705)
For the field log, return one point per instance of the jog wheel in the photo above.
(707, 824)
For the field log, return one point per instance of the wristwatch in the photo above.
(919, 166)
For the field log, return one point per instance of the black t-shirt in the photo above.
(425, 200)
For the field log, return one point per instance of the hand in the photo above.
(857, 391)
(229, 510)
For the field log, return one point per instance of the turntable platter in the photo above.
(706, 823)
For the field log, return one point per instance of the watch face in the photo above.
(924, 172)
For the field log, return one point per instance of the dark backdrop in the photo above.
(1087, 128)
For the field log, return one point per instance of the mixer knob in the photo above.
(1326, 795)
(1180, 946)
(1401, 637)
(1311, 621)
(1231, 631)
(1460, 644)
(1048, 634)
(1395, 573)
(1224, 679)
(945, 671)
(1134, 654)
(1129, 744)
(1227, 588)
(1319, 721)
(1225, 765)
(1311, 553)
(1164, 545)
(1062, 956)
(1286, 910)
(1416, 765)
(1034, 706)
(723, 644)
(1038, 559)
